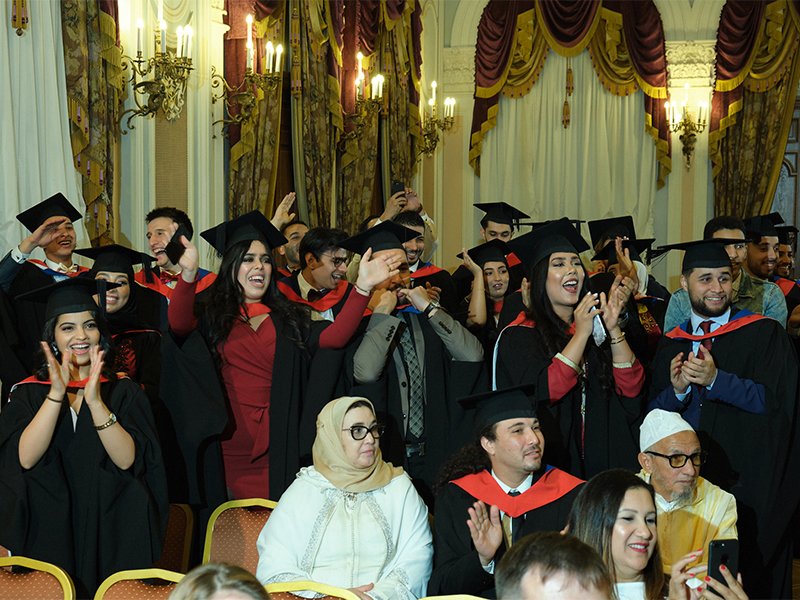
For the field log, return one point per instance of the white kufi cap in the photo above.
(660, 424)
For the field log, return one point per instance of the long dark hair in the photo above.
(470, 459)
(226, 300)
(594, 514)
(553, 331)
(106, 343)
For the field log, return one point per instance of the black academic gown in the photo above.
(611, 425)
(76, 508)
(12, 368)
(754, 457)
(456, 565)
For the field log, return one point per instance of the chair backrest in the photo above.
(45, 582)
(130, 585)
(233, 530)
(178, 542)
(279, 591)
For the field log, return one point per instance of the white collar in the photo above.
(521, 488)
(720, 320)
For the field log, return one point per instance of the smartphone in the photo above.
(398, 186)
(722, 552)
(174, 248)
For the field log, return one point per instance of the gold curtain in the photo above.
(747, 150)
(254, 159)
(321, 112)
(93, 65)
(358, 170)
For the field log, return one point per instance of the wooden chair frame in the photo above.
(247, 503)
(319, 588)
(37, 565)
(136, 574)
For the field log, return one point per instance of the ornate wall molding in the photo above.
(691, 61)
(459, 69)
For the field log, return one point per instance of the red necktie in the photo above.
(705, 326)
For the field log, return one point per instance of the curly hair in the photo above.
(470, 459)
(40, 370)
(226, 301)
(552, 330)
(594, 514)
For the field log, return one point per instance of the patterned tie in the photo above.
(511, 525)
(416, 409)
(314, 295)
(167, 277)
(705, 326)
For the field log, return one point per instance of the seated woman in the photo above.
(489, 267)
(83, 479)
(352, 520)
(615, 513)
(219, 581)
(588, 381)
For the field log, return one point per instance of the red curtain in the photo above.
(568, 21)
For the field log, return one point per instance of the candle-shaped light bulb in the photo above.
(359, 57)
(278, 56)
(249, 20)
(179, 47)
(188, 32)
(373, 87)
(270, 52)
(380, 86)
(250, 55)
(162, 26)
(430, 102)
(139, 27)
(433, 87)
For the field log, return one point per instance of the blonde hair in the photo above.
(205, 581)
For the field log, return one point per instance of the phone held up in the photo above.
(722, 552)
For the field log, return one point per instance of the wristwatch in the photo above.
(432, 306)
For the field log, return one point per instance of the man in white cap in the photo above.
(691, 511)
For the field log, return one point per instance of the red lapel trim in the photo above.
(731, 325)
(425, 271)
(551, 486)
(329, 300)
(71, 384)
(512, 260)
(786, 285)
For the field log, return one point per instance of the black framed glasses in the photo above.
(337, 261)
(359, 432)
(676, 461)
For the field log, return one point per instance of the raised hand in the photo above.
(372, 272)
(92, 389)
(700, 369)
(418, 297)
(434, 292)
(43, 235)
(525, 290)
(678, 590)
(58, 373)
(282, 215)
(189, 261)
(679, 382)
(733, 591)
(394, 206)
(625, 266)
(486, 531)
(583, 314)
(383, 302)
(473, 267)
(613, 304)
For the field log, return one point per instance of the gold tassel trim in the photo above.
(570, 81)
(565, 114)
(19, 15)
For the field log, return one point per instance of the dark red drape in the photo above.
(395, 8)
(416, 36)
(111, 8)
(737, 36)
(363, 21)
(568, 21)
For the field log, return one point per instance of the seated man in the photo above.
(319, 283)
(733, 376)
(751, 293)
(550, 566)
(493, 492)
(425, 274)
(691, 510)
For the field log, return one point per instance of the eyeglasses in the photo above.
(676, 461)
(359, 432)
(338, 261)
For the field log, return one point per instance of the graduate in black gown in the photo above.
(588, 381)
(493, 492)
(82, 482)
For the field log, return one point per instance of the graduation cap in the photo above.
(635, 248)
(784, 234)
(499, 405)
(491, 251)
(501, 212)
(704, 254)
(70, 296)
(114, 259)
(55, 206)
(555, 236)
(762, 225)
(386, 235)
(251, 226)
(615, 227)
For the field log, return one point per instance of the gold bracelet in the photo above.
(619, 339)
(56, 401)
(112, 418)
(362, 291)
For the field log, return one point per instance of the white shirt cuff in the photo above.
(18, 256)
